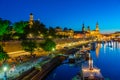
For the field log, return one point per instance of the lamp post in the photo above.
(5, 74)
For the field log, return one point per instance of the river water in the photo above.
(106, 57)
(65, 71)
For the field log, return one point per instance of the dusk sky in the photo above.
(65, 13)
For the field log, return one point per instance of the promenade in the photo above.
(21, 67)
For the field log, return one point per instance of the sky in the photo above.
(65, 13)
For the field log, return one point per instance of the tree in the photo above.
(3, 55)
(52, 32)
(29, 46)
(48, 45)
(4, 24)
(8, 34)
(38, 28)
(65, 29)
(19, 28)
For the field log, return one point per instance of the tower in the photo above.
(83, 28)
(97, 27)
(31, 20)
(88, 29)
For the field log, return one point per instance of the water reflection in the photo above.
(112, 45)
(107, 57)
(104, 44)
(98, 49)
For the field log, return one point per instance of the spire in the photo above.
(83, 27)
(88, 29)
(31, 20)
(97, 27)
(97, 23)
(31, 14)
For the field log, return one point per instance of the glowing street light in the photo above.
(53, 49)
(5, 74)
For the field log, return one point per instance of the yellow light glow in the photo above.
(5, 68)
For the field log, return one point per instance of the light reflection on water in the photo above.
(107, 58)
(64, 72)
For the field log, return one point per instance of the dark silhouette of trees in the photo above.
(3, 55)
(48, 45)
(51, 32)
(29, 45)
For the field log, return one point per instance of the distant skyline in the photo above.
(65, 13)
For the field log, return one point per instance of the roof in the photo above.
(81, 32)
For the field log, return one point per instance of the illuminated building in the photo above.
(87, 33)
(80, 34)
(114, 36)
(64, 33)
(94, 33)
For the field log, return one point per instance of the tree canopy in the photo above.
(48, 45)
(51, 32)
(3, 55)
(38, 28)
(4, 24)
(29, 45)
(19, 26)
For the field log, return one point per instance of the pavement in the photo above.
(18, 69)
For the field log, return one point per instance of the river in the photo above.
(106, 57)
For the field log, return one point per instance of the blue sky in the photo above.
(65, 13)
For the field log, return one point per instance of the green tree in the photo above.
(4, 24)
(19, 28)
(36, 30)
(48, 45)
(8, 34)
(29, 46)
(3, 55)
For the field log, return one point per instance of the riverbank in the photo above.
(39, 73)
(64, 50)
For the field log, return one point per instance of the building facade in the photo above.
(64, 33)
(88, 33)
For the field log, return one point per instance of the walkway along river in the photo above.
(39, 74)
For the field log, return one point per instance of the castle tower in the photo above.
(31, 20)
(97, 27)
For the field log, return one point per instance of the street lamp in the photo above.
(5, 74)
(53, 49)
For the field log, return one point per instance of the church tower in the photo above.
(97, 27)
(83, 28)
(88, 30)
(31, 20)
